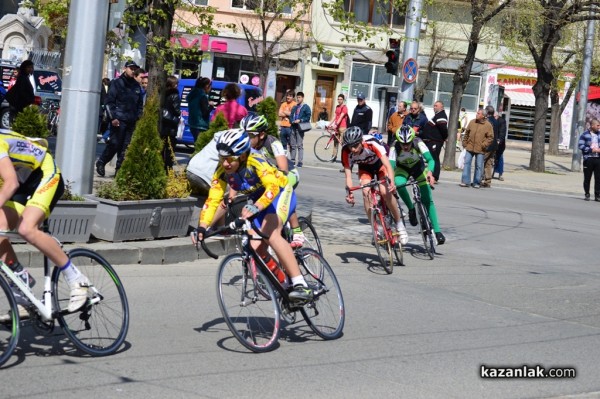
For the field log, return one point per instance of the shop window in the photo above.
(440, 88)
(375, 12)
(268, 5)
(229, 68)
(367, 78)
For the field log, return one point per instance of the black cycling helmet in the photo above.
(353, 135)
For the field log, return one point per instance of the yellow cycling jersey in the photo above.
(25, 155)
(255, 178)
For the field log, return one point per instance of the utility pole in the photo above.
(411, 51)
(80, 103)
(584, 85)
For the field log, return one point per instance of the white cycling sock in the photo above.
(70, 272)
(299, 280)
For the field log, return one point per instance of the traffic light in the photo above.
(393, 56)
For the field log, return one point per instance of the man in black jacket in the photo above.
(434, 134)
(362, 115)
(488, 169)
(124, 104)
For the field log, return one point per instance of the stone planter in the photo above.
(138, 220)
(72, 221)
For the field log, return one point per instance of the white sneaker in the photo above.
(79, 291)
(23, 314)
(298, 240)
(403, 234)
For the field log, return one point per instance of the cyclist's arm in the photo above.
(9, 177)
(392, 156)
(270, 178)
(215, 197)
(279, 154)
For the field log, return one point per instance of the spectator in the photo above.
(142, 78)
(198, 106)
(362, 115)
(232, 111)
(124, 105)
(22, 93)
(478, 137)
(285, 110)
(340, 122)
(171, 113)
(490, 152)
(324, 115)
(463, 121)
(434, 134)
(395, 121)
(499, 167)
(416, 117)
(202, 166)
(300, 113)
(393, 108)
(588, 144)
(103, 123)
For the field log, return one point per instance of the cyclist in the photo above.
(250, 174)
(272, 150)
(32, 186)
(373, 162)
(407, 155)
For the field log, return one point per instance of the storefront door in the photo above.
(324, 97)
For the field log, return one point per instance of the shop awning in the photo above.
(520, 97)
(593, 93)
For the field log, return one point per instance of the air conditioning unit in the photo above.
(328, 58)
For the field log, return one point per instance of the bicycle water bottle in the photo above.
(274, 267)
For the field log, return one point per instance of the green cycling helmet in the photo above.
(405, 134)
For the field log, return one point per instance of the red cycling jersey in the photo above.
(368, 158)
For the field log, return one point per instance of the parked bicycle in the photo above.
(327, 146)
(253, 301)
(425, 225)
(98, 328)
(385, 239)
(52, 111)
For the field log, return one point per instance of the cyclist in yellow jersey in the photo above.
(248, 173)
(32, 184)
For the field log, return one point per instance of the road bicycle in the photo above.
(311, 238)
(254, 302)
(425, 225)
(327, 146)
(98, 328)
(385, 239)
(52, 111)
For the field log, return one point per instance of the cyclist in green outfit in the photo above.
(272, 150)
(406, 156)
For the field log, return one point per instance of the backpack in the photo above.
(378, 138)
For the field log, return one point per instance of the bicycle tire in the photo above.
(99, 328)
(310, 233)
(426, 231)
(325, 314)
(253, 318)
(9, 329)
(396, 245)
(382, 244)
(323, 148)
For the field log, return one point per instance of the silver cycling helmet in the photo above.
(352, 135)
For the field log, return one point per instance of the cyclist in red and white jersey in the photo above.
(372, 161)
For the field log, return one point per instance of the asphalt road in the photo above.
(517, 283)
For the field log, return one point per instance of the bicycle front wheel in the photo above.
(382, 244)
(9, 322)
(100, 326)
(325, 313)
(248, 304)
(426, 230)
(312, 238)
(325, 150)
(396, 244)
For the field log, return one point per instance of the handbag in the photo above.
(460, 162)
(305, 126)
(180, 129)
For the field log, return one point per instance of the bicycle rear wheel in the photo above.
(252, 316)
(99, 327)
(396, 244)
(325, 150)
(426, 230)
(382, 244)
(325, 313)
(312, 238)
(9, 322)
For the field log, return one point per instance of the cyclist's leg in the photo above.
(387, 196)
(365, 176)
(8, 221)
(400, 180)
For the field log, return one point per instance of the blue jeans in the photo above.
(284, 135)
(466, 175)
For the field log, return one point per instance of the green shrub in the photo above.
(218, 124)
(31, 123)
(268, 107)
(142, 174)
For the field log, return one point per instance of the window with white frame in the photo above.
(272, 6)
(201, 2)
(375, 12)
(440, 88)
(367, 78)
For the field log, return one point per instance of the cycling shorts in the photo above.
(42, 189)
(369, 172)
(283, 205)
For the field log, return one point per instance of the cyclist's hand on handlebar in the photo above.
(197, 235)
(249, 211)
(430, 179)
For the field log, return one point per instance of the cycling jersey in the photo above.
(271, 149)
(412, 160)
(25, 155)
(255, 178)
(368, 158)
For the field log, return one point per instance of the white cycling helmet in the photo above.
(233, 142)
(254, 123)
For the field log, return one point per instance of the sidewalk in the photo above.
(558, 178)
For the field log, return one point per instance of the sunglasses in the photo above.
(229, 158)
(355, 145)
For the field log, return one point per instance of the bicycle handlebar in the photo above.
(371, 184)
(238, 225)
